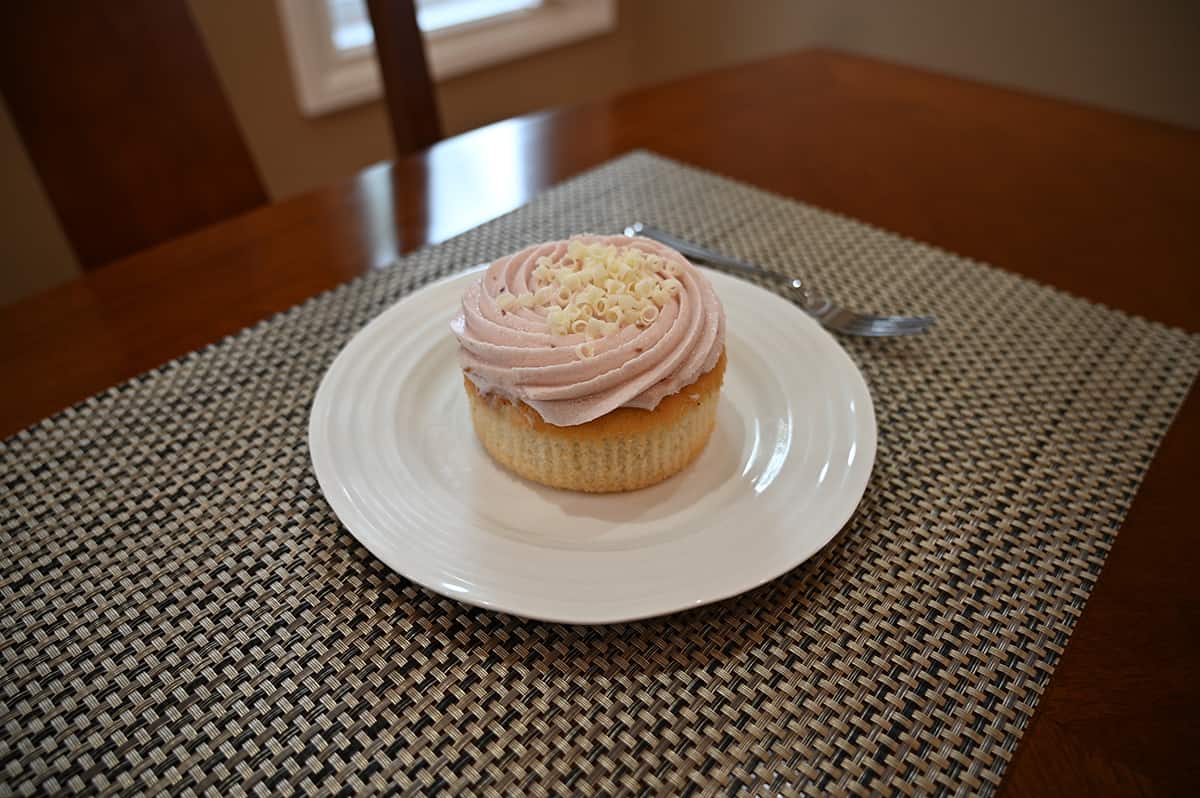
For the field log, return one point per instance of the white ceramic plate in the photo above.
(394, 452)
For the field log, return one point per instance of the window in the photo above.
(441, 15)
(331, 45)
(349, 25)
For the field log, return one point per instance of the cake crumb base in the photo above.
(624, 450)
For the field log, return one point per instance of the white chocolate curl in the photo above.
(670, 330)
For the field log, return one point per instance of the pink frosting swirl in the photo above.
(512, 353)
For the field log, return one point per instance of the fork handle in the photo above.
(697, 252)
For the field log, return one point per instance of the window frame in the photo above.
(327, 80)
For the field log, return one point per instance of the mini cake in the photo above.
(592, 364)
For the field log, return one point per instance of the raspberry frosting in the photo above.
(511, 348)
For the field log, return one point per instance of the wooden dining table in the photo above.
(1097, 203)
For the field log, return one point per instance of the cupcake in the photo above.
(592, 364)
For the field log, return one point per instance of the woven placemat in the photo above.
(183, 613)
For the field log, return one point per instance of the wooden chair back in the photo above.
(123, 117)
(408, 88)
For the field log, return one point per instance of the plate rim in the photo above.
(865, 437)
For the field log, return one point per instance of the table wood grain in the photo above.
(1102, 205)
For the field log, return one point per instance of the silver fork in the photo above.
(832, 317)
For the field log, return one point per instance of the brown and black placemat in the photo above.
(183, 613)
